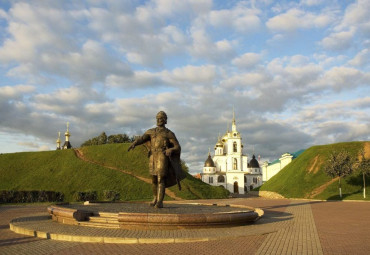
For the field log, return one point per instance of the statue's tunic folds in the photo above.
(157, 140)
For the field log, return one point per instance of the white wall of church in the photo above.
(269, 171)
(285, 159)
(231, 164)
(235, 180)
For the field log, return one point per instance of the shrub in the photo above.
(30, 196)
(85, 196)
(110, 195)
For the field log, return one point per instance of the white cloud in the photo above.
(361, 59)
(240, 18)
(112, 65)
(353, 28)
(356, 14)
(247, 60)
(312, 2)
(338, 78)
(204, 48)
(34, 146)
(172, 8)
(338, 41)
(295, 19)
(16, 91)
(193, 74)
(65, 101)
(140, 79)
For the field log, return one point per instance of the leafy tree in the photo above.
(339, 165)
(363, 166)
(103, 139)
(184, 166)
(119, 138)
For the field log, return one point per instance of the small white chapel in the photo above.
(229, 167)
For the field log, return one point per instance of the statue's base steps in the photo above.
(141, 215)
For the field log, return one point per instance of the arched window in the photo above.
(235, 147)
(235, 164)
(221, 178)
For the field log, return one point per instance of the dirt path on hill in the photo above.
(367, 149)
(80, 155)
(320, 189)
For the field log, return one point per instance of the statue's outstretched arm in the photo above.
(139, 141)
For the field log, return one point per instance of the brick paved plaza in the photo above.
(288, 227)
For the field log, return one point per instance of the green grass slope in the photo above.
(305, 176)
(136, 162)
(63, 171)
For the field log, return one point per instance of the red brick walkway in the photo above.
(343, 227)
(304, 227)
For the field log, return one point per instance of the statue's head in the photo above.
(161, 116)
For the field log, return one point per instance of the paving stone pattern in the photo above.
(296, 236)
(288, 227)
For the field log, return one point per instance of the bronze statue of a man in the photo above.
(164, 158)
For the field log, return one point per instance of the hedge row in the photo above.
(105, 195)
(30, 196)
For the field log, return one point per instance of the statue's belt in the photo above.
(158, 149)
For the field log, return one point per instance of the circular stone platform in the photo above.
(140, 215)
(138, 222)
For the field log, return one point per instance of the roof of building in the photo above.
(209, 162)
(295, 155)
(254, 163)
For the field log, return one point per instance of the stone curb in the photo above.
(111, 240)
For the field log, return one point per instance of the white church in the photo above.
(229, 166)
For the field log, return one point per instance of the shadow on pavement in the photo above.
(273, 216)
(17, 241)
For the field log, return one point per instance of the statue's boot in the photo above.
(161, 193)
(155, 195)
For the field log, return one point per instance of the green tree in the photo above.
(363, 166)
(102, 138)
(119, 138)
(339, 165)
(184, 166)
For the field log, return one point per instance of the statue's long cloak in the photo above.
(175, 173)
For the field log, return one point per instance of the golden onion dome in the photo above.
(209, 162)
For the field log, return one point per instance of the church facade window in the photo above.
(235, 164)
(221, 178)
(235, 147)
(210, 179)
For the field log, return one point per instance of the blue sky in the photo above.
(296, 72)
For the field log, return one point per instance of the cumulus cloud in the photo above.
(295, 19)
(361, 59)
(240, 18)
(352, 29)
(338, 41)
(204, 48)
(112, 65)
(13, 92)
(247, 60)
